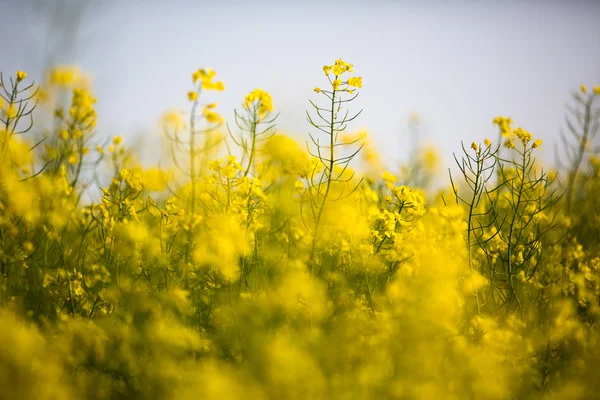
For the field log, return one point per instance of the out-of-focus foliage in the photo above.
(262, 268)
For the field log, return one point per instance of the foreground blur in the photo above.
(258, 267)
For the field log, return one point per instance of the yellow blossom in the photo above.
(192, 95)
(523, 135)
(21, 75)
(206, 76)
(261, 99)
(583, 88)
(212, 116)
(355, 81)
(389, 177)
(173, 119)
(504, 125)
(117, 140)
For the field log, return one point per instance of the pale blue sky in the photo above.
(458, 64)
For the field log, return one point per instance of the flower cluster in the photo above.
(261, 100)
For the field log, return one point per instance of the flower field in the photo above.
(250, 265)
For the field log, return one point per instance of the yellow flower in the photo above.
(219, 86)
(503, 124)
(215, 165)
(85, 150)
(537, 143)
(597, 89)
(173, 119)
(389, 177)
(64, 134)
(509, 144)
(77, 133)
(21, 75)
(523, 135)
(72, 159)
(195, 76)
(67, 77)
(262, 99)
(338, 68)
(474, 146)
(117, 140)
(212, 116)
(583, 88)
(430, 158)
(336, 83)
(192, 95)
(317, 90)
(206, 76)
(487, 142)
(355, 81)
(100, 150)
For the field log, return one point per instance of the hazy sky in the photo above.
(458, 64)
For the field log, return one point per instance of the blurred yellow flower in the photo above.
(212, 116)
(504, 125)
(173, 119)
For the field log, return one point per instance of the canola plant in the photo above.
(253, 266)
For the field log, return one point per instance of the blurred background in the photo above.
(441, 69)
